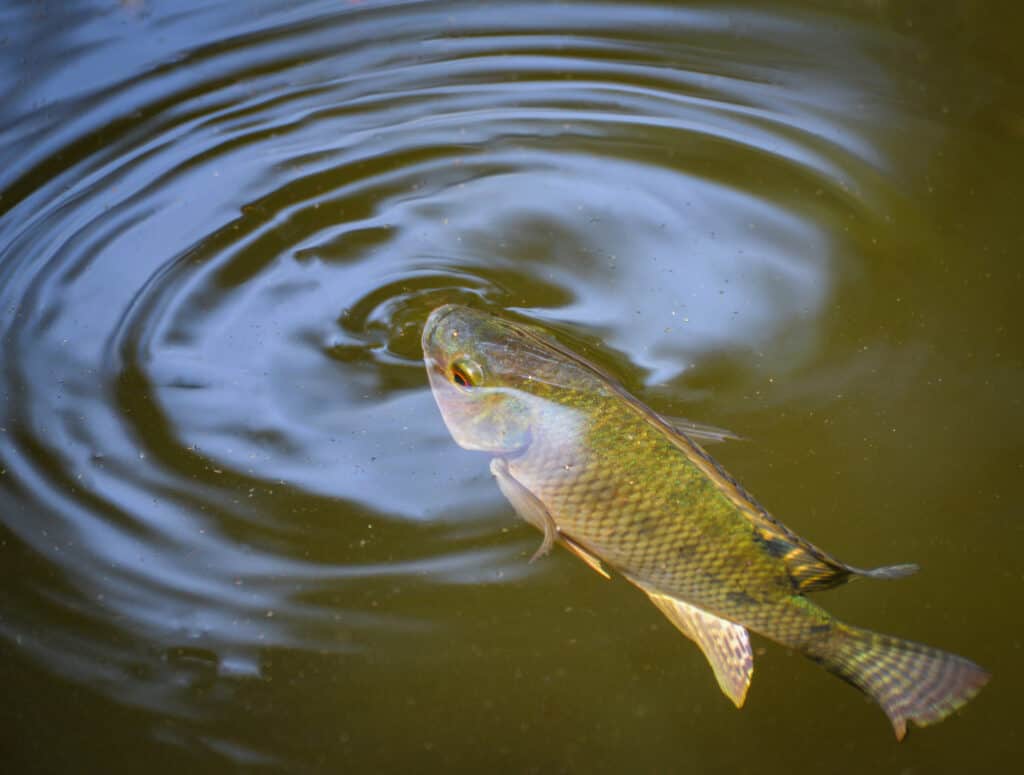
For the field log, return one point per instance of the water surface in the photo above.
(234, 531)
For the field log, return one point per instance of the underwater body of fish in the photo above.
(618, 485)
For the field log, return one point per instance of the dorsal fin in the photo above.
(700, 431)
(811, 569)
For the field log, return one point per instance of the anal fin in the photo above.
(725, 645)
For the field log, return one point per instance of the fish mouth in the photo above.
(433, 321)
(434, 356)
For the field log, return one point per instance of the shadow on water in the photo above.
(234, 527)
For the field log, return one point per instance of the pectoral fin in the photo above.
(726, 645)
(526, 505)
(529, 507)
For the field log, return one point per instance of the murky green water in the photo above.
(234, 531)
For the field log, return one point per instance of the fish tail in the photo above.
(911, 681)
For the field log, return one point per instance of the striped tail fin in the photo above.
(911, 682)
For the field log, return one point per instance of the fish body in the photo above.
(618, 485)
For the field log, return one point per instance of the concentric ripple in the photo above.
(217, 443)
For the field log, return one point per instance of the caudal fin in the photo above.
(911, 682)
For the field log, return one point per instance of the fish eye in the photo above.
(465, 373)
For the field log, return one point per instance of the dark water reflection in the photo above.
(234, 528)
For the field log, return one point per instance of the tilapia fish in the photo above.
(619, 486)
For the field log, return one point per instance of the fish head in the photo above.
(474, 375)
(501, 384)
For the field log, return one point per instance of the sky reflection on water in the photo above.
(228, 504)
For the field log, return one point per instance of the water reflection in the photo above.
(221, 234)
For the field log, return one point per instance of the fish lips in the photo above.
(432, 329)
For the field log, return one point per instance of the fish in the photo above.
(627, 489)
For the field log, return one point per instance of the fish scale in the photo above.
(619, 528)
(616, 484)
